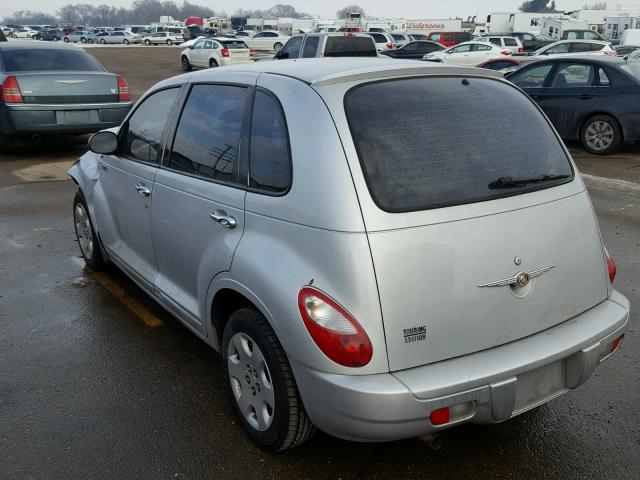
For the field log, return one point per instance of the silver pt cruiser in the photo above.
(349, 235)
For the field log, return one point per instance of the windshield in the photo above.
(451, 140)
(47, 59)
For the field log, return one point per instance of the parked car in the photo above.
(266, 40)
(573, 47)
(50, 35)
(450, 39)
(624, 50)
(418, 36)
(243, 33)
(24, 33)
(415, 50)
(120, 37)
(506, 43)
(77, 36)
(2, 37)
(633, 56)
(56, 88)
(97, 37)
(591, 99)
(215, 52)
(506, 64)
(335, 44)
(163, 38)
(468, 53)
(383, 41)
(400, 39)
(350, 29)
(358, 267)
(530, 41)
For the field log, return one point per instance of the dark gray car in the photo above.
(55, 88)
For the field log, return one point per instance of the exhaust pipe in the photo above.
(432, 440)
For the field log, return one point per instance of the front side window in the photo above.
(576, 75)
(461, 49)
(141, 137)
(533, 77)
(449, 37)
(310, 47)
(418, 165)
(207, 140)
(292, 48)
(435, 37)
(269, 161)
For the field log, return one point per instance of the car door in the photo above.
(569, 96)
(126, 181)
(196, 54)
(532, 79)
(458, 55)
(259, 41)
(480, 54)
(197, 218)
(291, 49)
(208, 50)
(409, 51)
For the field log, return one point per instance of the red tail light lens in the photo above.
(10, 91)
(123, 90)
(336, 333)
(440, 416)
(250, 53)
(389, 45)
(611, 54)
(505, 52)
(224, 52)
(616, 343)
(520, 50)
(611, 266)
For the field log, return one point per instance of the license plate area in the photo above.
(539, 386)
(74, 117)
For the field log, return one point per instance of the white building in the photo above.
(426, 26)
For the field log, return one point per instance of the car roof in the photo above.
(325, 71)
(22, 44)
(577, 40)
(600, 59)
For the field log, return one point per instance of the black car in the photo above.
(53, 88)
(591, 99)
(51, 35)
(414, 50)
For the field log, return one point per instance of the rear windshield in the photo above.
(233, 44)
(350, 47)
(434, 142)
(378, 37)
(44, 59)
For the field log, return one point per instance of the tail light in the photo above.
(251, 53)
(452, 414)
(520, 50)
(334, 330)
(611, 54)
(505, 52)
(123, 90)
(611, 266)
(224, 52)
(389, 45)
(10, 91)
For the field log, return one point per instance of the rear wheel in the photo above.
(125, 41)
(103, 41)
(83, 40)
(601, 135)
(213, 63)
(169, 42)
(7, 144)
(261, 384)
(85, 233)
(147, 42)
(186, 65)
(277, 46)
(66, 40)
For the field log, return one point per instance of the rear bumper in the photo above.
(397, 405)
(26, 119)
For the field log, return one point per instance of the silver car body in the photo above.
(497, 352)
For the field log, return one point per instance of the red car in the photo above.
(450, 39)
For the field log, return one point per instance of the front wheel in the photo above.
(213, 63)
(66, 40)
(83, 40)
(169, 42)
(103, 41)
(125, 41)
(601, 135)
(147, 42)
(85, 233)
(261, 384)
(186, 65)
(277, 47)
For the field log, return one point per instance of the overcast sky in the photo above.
(325, 8)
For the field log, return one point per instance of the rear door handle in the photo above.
(224, 220)
(585, 97)
(143, 190)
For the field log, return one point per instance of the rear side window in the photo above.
(419, 165)
(269, 159)
(533, 77)
(47, 59)
(510, 42)
(595, 47)
(350, 47)
(207, 140)
(310, 47)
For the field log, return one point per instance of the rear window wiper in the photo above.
(509, 182)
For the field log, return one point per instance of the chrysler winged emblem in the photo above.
(520, 279)
(71, 82)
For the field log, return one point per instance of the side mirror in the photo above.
(190, 47)
(104, 143)
(280, 55)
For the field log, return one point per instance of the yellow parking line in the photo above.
(117, 291)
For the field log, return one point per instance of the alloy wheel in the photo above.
(83, 230)
(600, 135)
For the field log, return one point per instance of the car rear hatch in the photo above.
(238, 51)
(480, 231)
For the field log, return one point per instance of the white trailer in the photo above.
(552, 28)
(498, 22)
(426, 26)
(614, 27)
(529, 22)
(595, 17)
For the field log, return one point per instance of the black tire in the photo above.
(213, 63)
(290, 425)
(94, 258)
(278, 46)
(147, 43)
(601, 135)
(125, 41)
(7, 144)
(103, 41)
(83, 40)
(169, 42)
(186, 65)
(66, 40)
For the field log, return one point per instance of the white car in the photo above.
(468, 53)
(160, 38)
(266, 40)
(383, 40)
(215, 52)
(24, 33)
(576, 47)
(512, 44)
